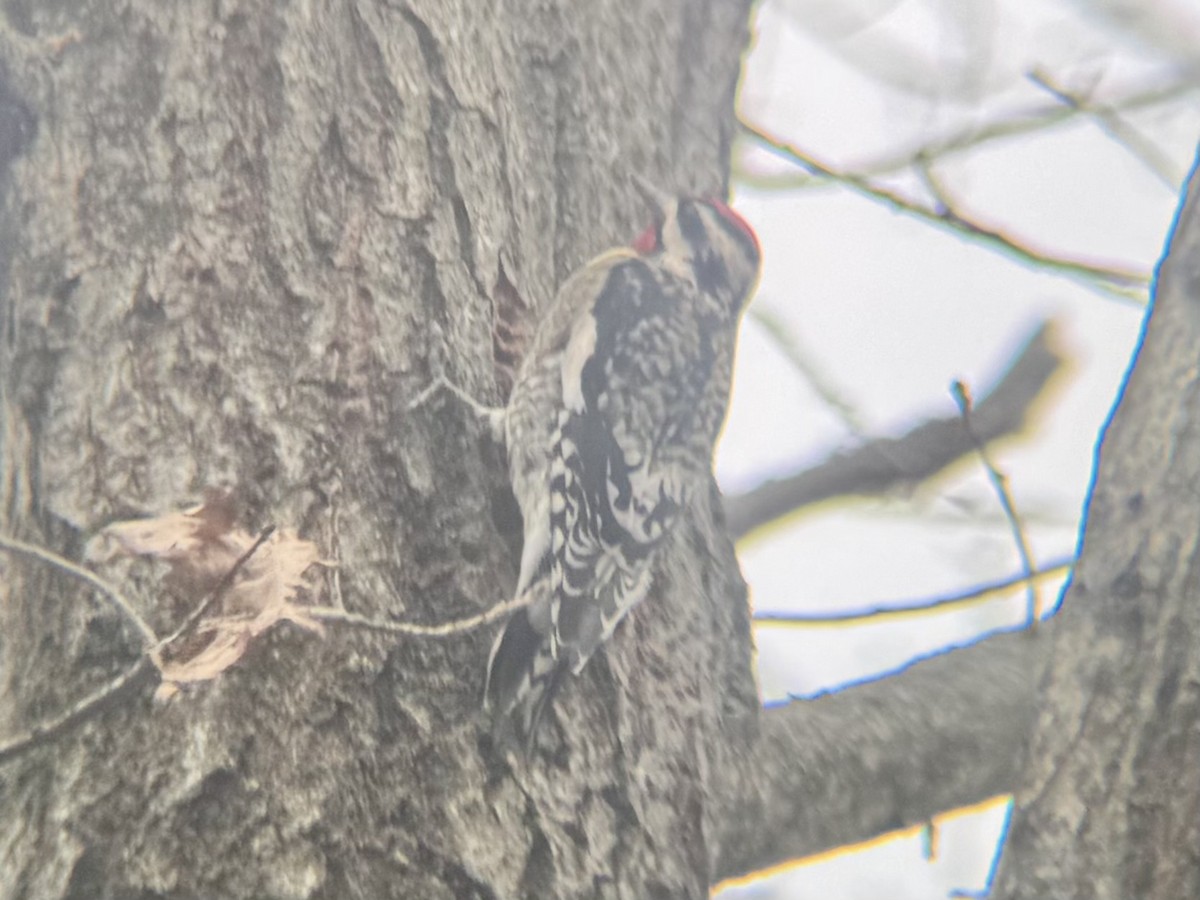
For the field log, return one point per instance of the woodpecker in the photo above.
(610, 430)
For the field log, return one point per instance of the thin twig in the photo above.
(1124, 134)
(972, 597)
(974, 136)
(79, 711)
(458, 626)
(90, 705)
(1000, 482)
(119, 600)
(492, 417)
(944, 206)
(789, 346)
(1122, 284)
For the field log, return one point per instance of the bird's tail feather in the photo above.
(523, 677)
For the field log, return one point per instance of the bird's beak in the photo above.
(658, 201)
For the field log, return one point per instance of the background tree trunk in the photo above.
(1109, 802)
(238, 238)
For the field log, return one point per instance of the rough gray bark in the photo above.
(234, 240)
(1109, 800)
(238, 237)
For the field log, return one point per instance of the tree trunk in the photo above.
(1109, 801)
(238, 239)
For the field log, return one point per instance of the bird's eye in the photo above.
(648, 241)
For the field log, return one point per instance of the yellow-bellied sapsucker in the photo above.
(610, 430)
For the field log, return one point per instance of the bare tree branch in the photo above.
(999, 480)
(975, 136)
(1121, 284)
(947, 732)
(930, 447)
(1112, 124)
(959, 600)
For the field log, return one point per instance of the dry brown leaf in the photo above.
(201, 546)
(225, 649)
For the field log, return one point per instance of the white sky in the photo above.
(892, 310)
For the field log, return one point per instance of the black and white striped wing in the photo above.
(635, 375)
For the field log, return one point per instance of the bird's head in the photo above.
(703, 239)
